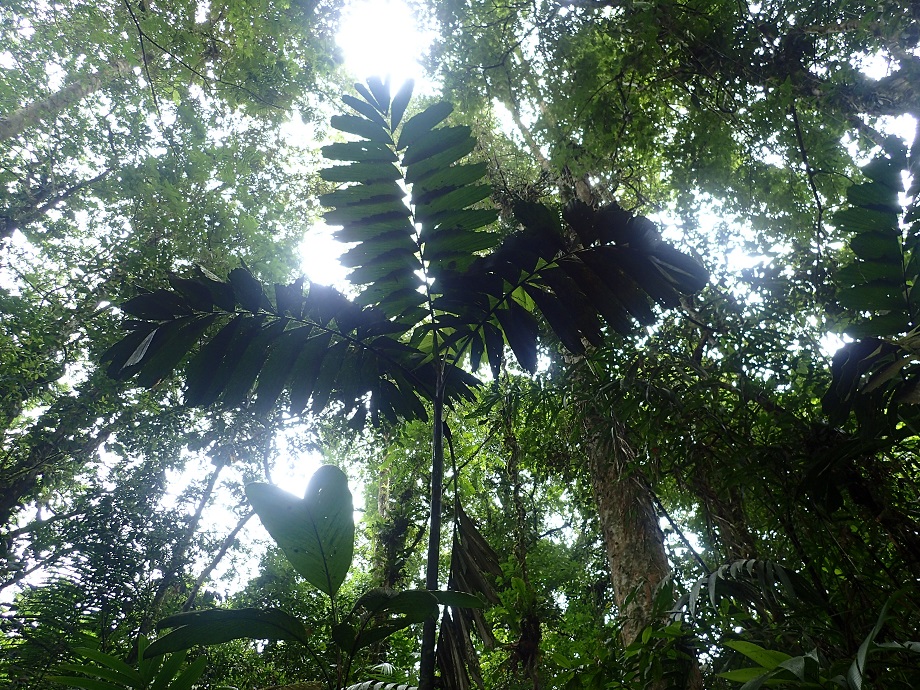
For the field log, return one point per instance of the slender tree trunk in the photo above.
(37, 205)
(221, 552)
(180, 552)
(48, 108)
(429, 630)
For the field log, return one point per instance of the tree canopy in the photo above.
(624, 377)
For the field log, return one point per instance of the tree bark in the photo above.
(48, 108)
(632, 537)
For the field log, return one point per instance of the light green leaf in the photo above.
(767, 658)
(316, 533)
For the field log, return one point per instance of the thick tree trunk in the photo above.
(48, 108)
(632, 537)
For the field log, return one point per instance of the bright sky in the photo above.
(377, 38)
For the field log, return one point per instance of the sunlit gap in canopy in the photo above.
(381, 38)
(377, 38)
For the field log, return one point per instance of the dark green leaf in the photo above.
(365, 173)
(449, 177)
(223, 625)
(361, 127)
(438, 162)
(248, 291)
(279, 364)
(495, 348)
(359, 152)
(423, 122)
(520, 328)
(196, 294)
(344, 635)
(381, 90)
(168, 671)
(206, 374)
(172, 344)
(329, 374)
(107, 667)
(289, 298)
(375, 193)
(243, 374)
(85, 683)
(221, 291)
(368, 96)
(558, 317)
(161, 305)
(434, 142)
(202, 371)
(365, 109)
(400, 103)
(458, 599)
(190, 676)
(307, 366)
(132, 348)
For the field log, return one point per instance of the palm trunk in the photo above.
(429, 630)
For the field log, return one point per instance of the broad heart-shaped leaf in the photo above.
(215, 626)
(317, 532)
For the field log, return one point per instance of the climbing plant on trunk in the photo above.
(441, 289)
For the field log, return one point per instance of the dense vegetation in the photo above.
(641, 455)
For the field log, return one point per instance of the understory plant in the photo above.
(316, 533)
(442, 288)
(153, 672)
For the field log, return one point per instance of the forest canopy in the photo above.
(621, 389)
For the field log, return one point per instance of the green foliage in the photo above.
(316, 534)
(812, 670)
(876, 374)
(436, 290)
(111, 673)
(599, 267)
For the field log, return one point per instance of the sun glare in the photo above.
(379, 38)
(382, 38)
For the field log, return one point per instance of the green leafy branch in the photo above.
(152, 673)
(880, 370)
(437, 288)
